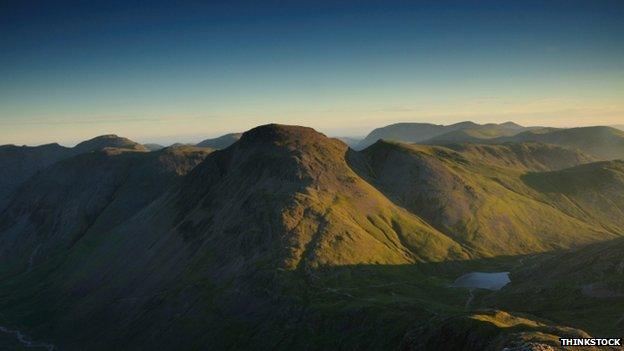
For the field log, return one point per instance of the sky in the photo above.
(167, 71)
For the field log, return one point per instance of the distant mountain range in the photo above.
(603, 142)
(221, 142)
(214, 143)
(282, 238)
(411, 132)
(463, 132)
(421, 132)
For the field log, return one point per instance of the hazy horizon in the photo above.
(196, 138)
(185, 72)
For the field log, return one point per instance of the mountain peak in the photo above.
(280, 133)
(107, 136)
(510, 124)
(108, 141)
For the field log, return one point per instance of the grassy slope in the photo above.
(482, 204)
(591, 192)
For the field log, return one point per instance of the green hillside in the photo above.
(288, 239)
(483, 205)
(591, 192)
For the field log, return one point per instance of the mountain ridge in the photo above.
(411, 132)
(288, 236)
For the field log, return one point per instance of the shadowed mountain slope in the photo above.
(94, 191)
(17, 164)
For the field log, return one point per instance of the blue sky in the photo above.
(182, 71)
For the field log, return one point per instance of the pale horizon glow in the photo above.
(167, 130)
